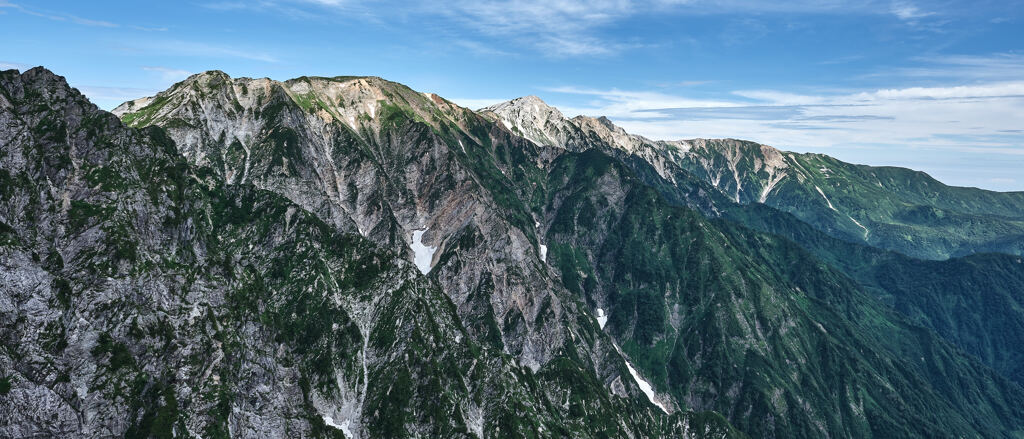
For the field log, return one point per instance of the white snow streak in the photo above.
(866, 231)
(543, 253)
(645, 387)
(424, 254)
(830, 206)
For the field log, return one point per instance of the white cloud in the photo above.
(980, 121)
(65, 17)
(57, 17)
(477, 103)
(110, 97)
(1000, 66)
(480, 48)
(6, 65)
(191, 48)
(555, 27)
(634, 104)
(907, 11)
(168, 74)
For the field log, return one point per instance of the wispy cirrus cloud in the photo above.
(563, 28)
(982, 119)
(7, 65)
(168, 74)
(71, 18)
(110, 97)
(991, 67)
(556, 27)
(907, 11)
(200, 49)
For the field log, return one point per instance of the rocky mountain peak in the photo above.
(612, 134)
(532, 118)
(355, 101)
(48, 88)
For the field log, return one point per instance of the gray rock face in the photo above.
(375, 157)
(250, 276)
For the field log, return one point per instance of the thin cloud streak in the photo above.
(954, 118)
(168, 74)
(562, 28)
(205, 50)
(72, 18)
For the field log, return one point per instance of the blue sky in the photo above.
(932, 85)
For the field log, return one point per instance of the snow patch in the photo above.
(602, 318)
(424, 253)
(543, 248)
(645, 387)
(343, 426)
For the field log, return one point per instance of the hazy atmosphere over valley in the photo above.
(512, 219)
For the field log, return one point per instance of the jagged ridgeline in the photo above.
(892, 208)
(144, 295)
(347, 257)
(716, 316)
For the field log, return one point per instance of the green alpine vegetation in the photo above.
(752, 326)
(888, 207)
(892, 208)
(144, 296)
(347, 257)
(976, 302)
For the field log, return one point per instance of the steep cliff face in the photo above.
(144, 294)
(375, 157)
(892, 208)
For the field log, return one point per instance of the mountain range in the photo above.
(348, 257)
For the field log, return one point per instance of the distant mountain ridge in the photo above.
(892, 208)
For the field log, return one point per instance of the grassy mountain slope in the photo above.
(976, 301)
(753, 326)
